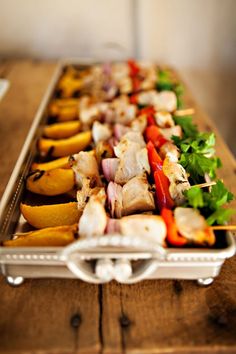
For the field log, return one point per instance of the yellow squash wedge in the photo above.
(64, 147)
(51, 215)
(49, 237)
(64, 109)
(61, 130)
(69, 85)
(52, 182)
(62, 162)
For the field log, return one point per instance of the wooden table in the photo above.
(69, 316)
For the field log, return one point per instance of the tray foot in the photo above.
(14, 281)
(205, 281)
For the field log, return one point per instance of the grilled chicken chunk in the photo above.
(136, 196)
(178, 180)
(162, 101)
(169, 150)
(133, 157)
(139, 124)
(169, 132)
(147, 98)
(192, 225)
(85, 166)
(164, 119)
(86, 192)
(89, 114)
(133, 197)
(166, 101)
(150, 227)
(94, 219)
(101, 132)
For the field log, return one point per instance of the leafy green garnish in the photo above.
(194, 197)
(179, 91)
(186, 123)
(220, 216)
(164, 81)
(210, 203)
(196, 151)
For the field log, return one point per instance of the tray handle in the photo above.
(108, 268)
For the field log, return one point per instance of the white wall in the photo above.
(60, 28)
(196, 36)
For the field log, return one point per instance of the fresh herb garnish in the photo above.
(164, 81)
(179, 91)
(197, 150)
(210, 203)
(186, 123)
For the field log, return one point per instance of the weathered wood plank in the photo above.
(41, 316)
(51, 316)
(166, 316)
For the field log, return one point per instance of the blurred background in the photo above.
(198, 37)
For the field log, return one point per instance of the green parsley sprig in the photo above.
(197, 150)
(210, 204)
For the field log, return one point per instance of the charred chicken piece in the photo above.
(136, 196)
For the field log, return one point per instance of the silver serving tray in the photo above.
(101, 259)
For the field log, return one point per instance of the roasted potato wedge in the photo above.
(62, 130)
(52, 182)
(49, 237)
(51, 215)
(62, 162)
(64, 147)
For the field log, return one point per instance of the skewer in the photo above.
(204, 185)
(184, 112)
(223, 227)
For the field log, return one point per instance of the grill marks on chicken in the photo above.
(133, 158)
(136, 196)
(178, 180)
(85, 165)
(94, 218)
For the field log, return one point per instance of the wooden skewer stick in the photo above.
(184, 112)
(224, 227)
(204, 185)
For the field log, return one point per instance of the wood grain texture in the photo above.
(69, 316)
(51, 316)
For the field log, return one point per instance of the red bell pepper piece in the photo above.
(135, 84)
(134, 99)
(173, 237)
(149, 113)
(154, 159)
(147, 110)
(153, 134)
(133, 67)
(151, 119)
(164, 199)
